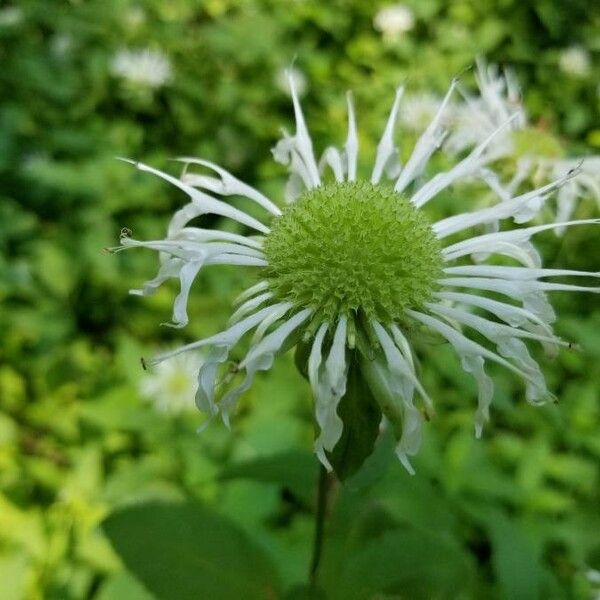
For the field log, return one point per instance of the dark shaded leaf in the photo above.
(295, 470)
(361, 416)
(410, 563)
(186, 551)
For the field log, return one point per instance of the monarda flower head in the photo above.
(350, 267)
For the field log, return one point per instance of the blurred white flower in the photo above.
(575, 61)
(479, 116)
(585, 185)
(135, 17)
(171, 385)
(10, 16)
(281, 80)
(394, 20)
(418, 111)
(143, 67)
(593, 577)
(61, 45)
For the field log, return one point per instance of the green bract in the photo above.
(353, 247)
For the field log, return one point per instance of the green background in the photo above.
(514, 515)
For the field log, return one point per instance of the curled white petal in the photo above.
(387, 153)
(260, 358)
(204, 203)
(468, 166)
(228, 185)
(351, 146)
(426, 145)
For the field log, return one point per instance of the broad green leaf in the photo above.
(409, 563)
(123, 586)
(361, 416)
(186, 551)
(516, 565)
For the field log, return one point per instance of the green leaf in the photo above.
(361, 417)
(301, 358)
(409, 562)
(123, 585)
(295, 470)
(186, 551)
(516, 565)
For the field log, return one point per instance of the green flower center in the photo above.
(353, 247)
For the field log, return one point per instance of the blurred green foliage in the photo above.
(515, 515)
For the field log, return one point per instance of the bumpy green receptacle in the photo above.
(353, 247)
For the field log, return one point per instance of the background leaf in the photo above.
(186, 551)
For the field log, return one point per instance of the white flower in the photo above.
(478, 116)
(394, 20)
(418, 109)
(281, 80)
(593, 577)
(142, 67)
(351, 271)
(171, 386)
(10, 16)
(585, 185)
(499, 97)
(575, 61)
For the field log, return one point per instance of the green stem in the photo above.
(324, 488)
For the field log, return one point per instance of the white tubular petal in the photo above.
(249, 306)
(508, 345)
(493, 182)
(401, 383)
(351, 147)
(523, 168)
(168, 269)
(403, 345)
(293, 188)
(219, 353)
(302, 138)
(182, 217)
(205, 394)
(515, 316)
(228, 338)
(187, 274)
(329, 387)
(521, 209)
(516, 289)
(426, 145)
(318, 386)
(387, 152)
(332, 158)
(260, 358)
(462, 344)
(315, 360)
(398, 364)
(490, 329)
(261, 286)
(191, 250)
(400, 411)
(228, 184)
(468, 166)
(196, 234)
(566, 199)
(236, 259)
(272, 342)
(485, 389)
(517, 237)
(514, 273)
(533, 298)
(204, 203)
(284, 307)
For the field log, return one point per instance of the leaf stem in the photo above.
(325, 484)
